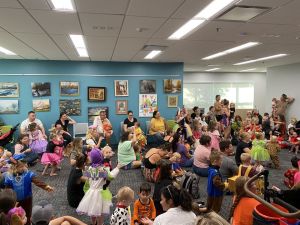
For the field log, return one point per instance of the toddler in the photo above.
(293, 140)
(259, 152)
(175, 160)
(37, 142)
(290, 173)
(140, 136)
(273, 149)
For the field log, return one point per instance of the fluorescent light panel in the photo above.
(208, 12)
(248, 70)
(231, 50)
(6, 51)
(63, 5)
(153, 54)
(213, 69)
(79, 44)
(261, 59)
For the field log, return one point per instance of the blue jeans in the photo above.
(202, 172)
(187, 163)
(158, 139)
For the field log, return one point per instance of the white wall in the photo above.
(284, 79)
(259, 80)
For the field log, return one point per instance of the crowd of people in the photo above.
(198, 145)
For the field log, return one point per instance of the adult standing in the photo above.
(64, 120)
(201, 156)
(157, 127)
(282, 104)
(218, 108)
(103, 126)
(32, 119)
(129, 121)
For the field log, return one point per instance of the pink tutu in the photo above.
(38, 146)
(50, 158)
(215, 140)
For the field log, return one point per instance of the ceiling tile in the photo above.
(57, 22)
(190, 8)
(153, 8)
(168, 28)
(35, 4)
(147, 25)
(18, 20)
(9, 4)
(264, 3)
(102, 6)
(101, 24)
(42, 44)
(100, 48)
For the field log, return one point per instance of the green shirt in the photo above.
(125, 153)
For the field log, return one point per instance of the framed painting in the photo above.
(41, 105)
(96, 94)
(121, 88)
(147, 104)
(69, 88)
(172, 86)
(41, 89)
(9, 106)
(121, 107)
(70, 106)
(94, 111)
(9, 90)
(147, 86)
(172, 101)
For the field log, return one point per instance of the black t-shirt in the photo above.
(239, 150)
(156, 195)
(74, 190)
(64, 126)
(129, 123)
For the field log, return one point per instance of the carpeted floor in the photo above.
(131, 178)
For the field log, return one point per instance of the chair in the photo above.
(80, 129)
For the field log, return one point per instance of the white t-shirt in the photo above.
(176, 216)
(25, 124)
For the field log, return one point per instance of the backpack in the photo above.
(190, 182)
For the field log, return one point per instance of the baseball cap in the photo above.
(42, 212)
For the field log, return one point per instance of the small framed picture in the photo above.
(121, 88)
(9, 90)
(41, 105)
(121, 107)
(172, 101)
(41, 89)
(96, 94)
(69, 88)
(147, 86)
(9, 106)
(172, 86)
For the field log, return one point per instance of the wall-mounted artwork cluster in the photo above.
(9, 90)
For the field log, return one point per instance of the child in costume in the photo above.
(259, 153)
(37, 142)
(20, 213)
(290, 173)
(96, 201)
(273, 149)
(140, 136)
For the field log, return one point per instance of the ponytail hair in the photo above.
(180, 198)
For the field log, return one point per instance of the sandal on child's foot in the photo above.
(53, 174)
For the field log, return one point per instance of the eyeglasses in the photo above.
(169, 191)
(130, 115)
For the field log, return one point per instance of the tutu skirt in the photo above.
(39, 146)
(260, 154)
(50, 158)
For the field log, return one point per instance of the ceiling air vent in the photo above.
(242, 13)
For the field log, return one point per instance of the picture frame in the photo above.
(94, 111)
(40, 89)
(121, 88)
(70, 106)
(96, 94)
(9, 106)
(9, 90)
(147, 104)
(172, 86)
(41, 105)
(121, 107)
(69, 88)
(172, 101)
(147, 86)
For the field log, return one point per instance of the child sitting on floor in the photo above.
(140, 136)
(290, 173)
(293, 140)
(176, 169)
(246, 168)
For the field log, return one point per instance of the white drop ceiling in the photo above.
(117, 30)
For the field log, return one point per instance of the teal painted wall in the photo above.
(100, 74)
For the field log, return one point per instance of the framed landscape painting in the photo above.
(9, 106)
(121, 107)
(41, 105)
(172, 86)
(9, 90)
(40, 89)
(94, 111)
(96, 94)
(69, 88)
(121, 88)
(70, 106)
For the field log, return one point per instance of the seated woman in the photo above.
(64, 120)
(129, 121)
(157, 128)
(93, 138)
(182, 126)
(178, 146)
(103, 126)
(201, 156)
(22, 150)
(126, 154)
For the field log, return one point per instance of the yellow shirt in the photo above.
(157, 125)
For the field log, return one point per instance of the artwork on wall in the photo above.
(96, 94)
(121, 107)
(9, 90)
(172, 86)
(70, 106)
(40, 89)
(172, 100)
(69, 88)
(147, 86)
(147, 104)
(9, 106)
(41, 105)
(121, 88)
(94, 111)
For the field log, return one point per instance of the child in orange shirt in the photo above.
(144, 206)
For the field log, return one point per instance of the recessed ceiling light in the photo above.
(63, 5)
(231, 50)
(248, 70)
(185, 29)
(6, 51)
(213, 8)
(213, 69)
(260, 59)
(153, 54)
(79, 44)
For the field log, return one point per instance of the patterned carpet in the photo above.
(133, 179)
